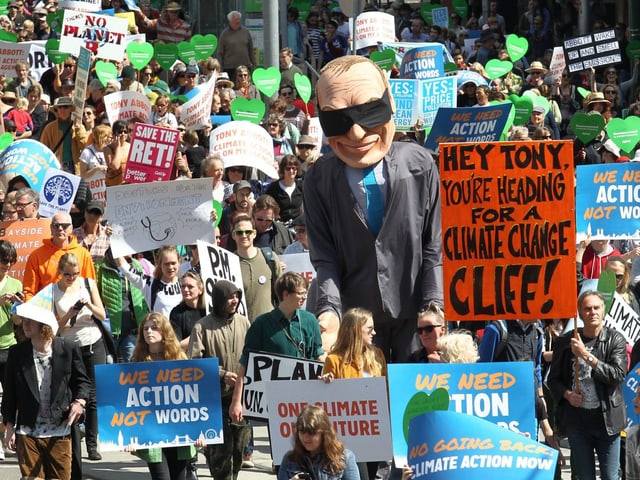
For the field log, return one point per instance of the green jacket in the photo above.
(110, 287)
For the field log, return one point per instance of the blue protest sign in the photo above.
(450, 446)
(421, 99)
(469, 124)
(629, 389)
(28, 158)
(608, 200)
(502, 393)
(466, 76)
(423, 62)
(158, 404)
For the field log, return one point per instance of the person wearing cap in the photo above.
(128, 82)
(92, 234)
(169, 28)
(307, 153)
(16, 14)
(301, 244)
(192, 79)
(240, 202)
(65, 137)
(46, 391)
(235, 45)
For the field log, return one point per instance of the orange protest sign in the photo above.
(26, 236)
(508, 230)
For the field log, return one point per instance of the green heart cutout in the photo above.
(5, 140)
(586, 127)
(217, 206)
(267, 80)
(106, 72)
(52, 47)
(139, 54)
(607, 287)
(450, 67)
(510, 117)
(303, 86)
(583, 91)
(461, 7)
(8, 36)
(249, 110)
(538, 100)
(186, 52)
(633, 49)
(516, 47)
(384, 59)
(624, 133)
(165, 54)
(426, 12)
(421, 403)
(204, 45)
(497, 68)
(55, 20)
(523, 107)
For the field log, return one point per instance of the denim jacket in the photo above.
(288, 468)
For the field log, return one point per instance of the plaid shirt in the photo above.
(100, 242)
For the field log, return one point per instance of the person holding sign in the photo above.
(383, 251)
(354, 356)
(157, 342)
(587, 371)
(317, 452)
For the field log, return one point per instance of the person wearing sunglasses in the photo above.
(244, 86)
(42, 265)
(372, 209)
(430, 328)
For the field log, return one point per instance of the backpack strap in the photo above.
(155, 288)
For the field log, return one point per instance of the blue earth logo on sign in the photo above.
(58, 189)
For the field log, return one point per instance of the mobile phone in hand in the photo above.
(78, 305)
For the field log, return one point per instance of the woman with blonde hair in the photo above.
(317, 452)
(92, 159)
(458, 347)
(355, 356)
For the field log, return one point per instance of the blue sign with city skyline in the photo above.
(158, 404)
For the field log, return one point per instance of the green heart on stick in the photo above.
(106, 72)
(586, 127)
(461, 7)
(55, 20)
(421, 403)
(538, 100)
(303, 86)
(633, 49)
(204, 45)
(607, 287)
(426, 12)
(624, 133)
(384, 59)
(5, 140)
(217, 206)
(52, 47)
(497, 68)
(139, 54)
(267, 80)
(186, 52)
(523, 107)
(583, 91)
(166, 54)
(249, 110)
(516, 47)
(8, 36)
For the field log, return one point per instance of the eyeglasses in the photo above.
(20, 206)
(611, 72)
(274, 124)
(235, 170)
(119, 132)
(64, 107)
(162, 105)
(305, 147)
(64, 226)
(547, 137)
(10, 130)
(427, 329)
(291, 168)
(243, 75)
(191, 75)
(94, 212)
(303, 293)
(242, 233)
(619, 276)
(70, 274)
(368, 115)
(286, 94)
(536, 73)
(87, 113)
(300, 230)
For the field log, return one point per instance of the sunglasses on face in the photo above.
(368, 115)
(242, 233)
(64, 226)
(427, 329)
